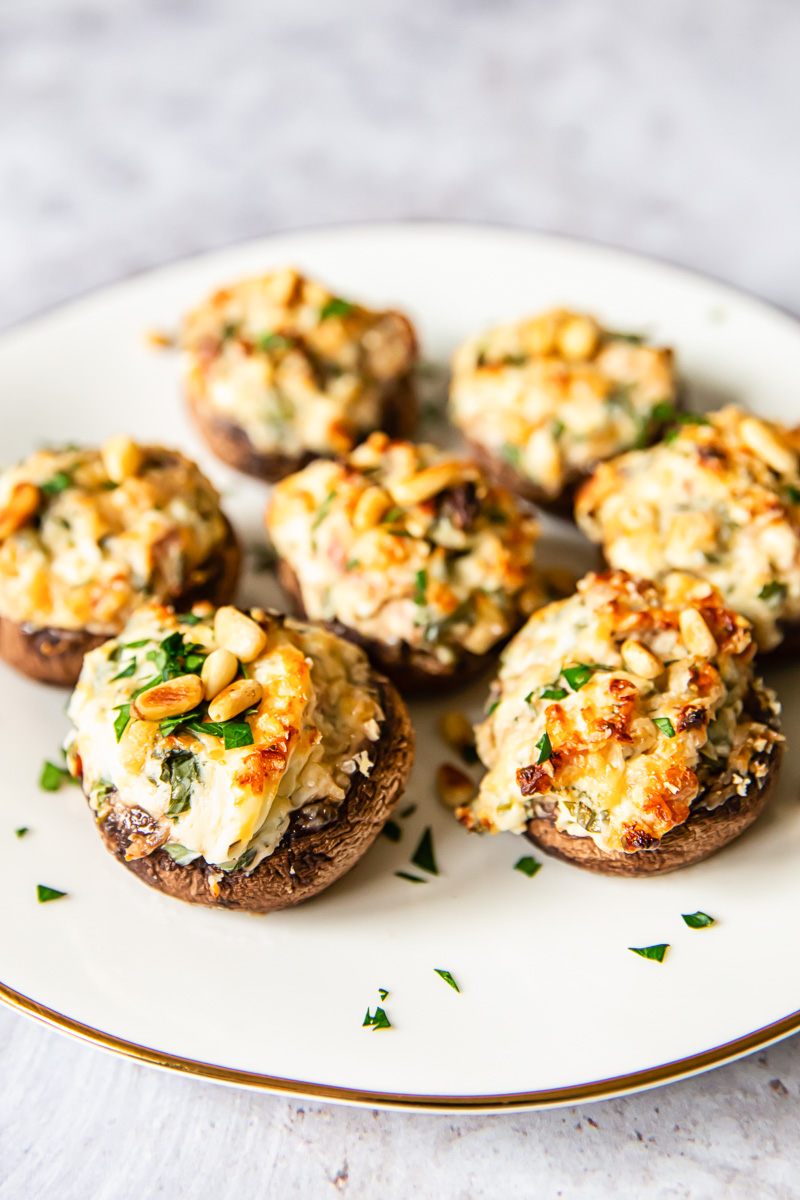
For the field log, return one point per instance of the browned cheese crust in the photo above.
(229, 442)
(704, 832)
(304, 863)
(55, 656)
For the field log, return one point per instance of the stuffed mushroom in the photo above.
(542, 401)
(627, 731)
(88, 535)
(720, 498)
(278, 371)
(236, 759)
(411, 552)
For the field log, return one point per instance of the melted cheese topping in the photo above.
(720, 499)
(93, 549)
(615, 755)
(555, 394)
(312, 730)
(294, 366)
(404, 543)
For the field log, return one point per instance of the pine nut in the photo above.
(578, 337)
(453, 787)
(236, 632)
(639, 660)
(372, 504)
(429, 482)
(135, 743)
(368, 454)
(763, 441)
(696, 635)
(456, 730)
(235, 699)
(219, 669)
(539, 334)
(168, 699)
(121, 457)
(24, 503)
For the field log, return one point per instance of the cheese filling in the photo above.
(556, 394)
(404, 543)
(225, 796)
(615, 713)
(293, 365)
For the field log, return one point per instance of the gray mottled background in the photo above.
(131, 133)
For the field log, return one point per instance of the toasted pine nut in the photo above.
(372, 504)
(368, 454)
(429, 482)
(235, 699)
(456, 730)
(134, 744)
(640, 660)
(121, 457)
(697, 637)
(24, 503)
(763, 441)
(539, 334)
(578, 337)
(219, 669)
(236, 632)
(453, 787)
(168, 699)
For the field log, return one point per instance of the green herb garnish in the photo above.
(59, 483)
(392, 831)
(273, 341)
(179, 770)
(189, 618)
(774, 590)
(527, 865)
(663, 412)
(619, 335)
(52, 777)
(383, 993)
(123, 717)
(420, 587)
(336, 307)
(578, 675)
(44, 893)
(665, 725)
(549, 693)
(180, 854)
(793, 493)
(511, 454)
(698, 920)
(407, 811)
(423, 857)
(23, 829)
(410, 878)
(378, 1021)
(495, 704)
(323, 510)
(241, 863)
(684, 419)
(126, 672)
(448, 978)
(544, 747)
(656, 953)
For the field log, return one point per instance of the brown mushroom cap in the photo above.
(305, 862)
(413, 671)
(51, 655)
(704, 832)
(230, 443)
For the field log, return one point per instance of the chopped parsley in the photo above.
(527, 865)
(59, 483)
(180, 854)
(179, 770)
(544, 747)
(23, 829)
(44, 893)
(549, 693)
(126, 672)
(423, 857)
(511, 454)
(273, 341)
(187, 619)
(495, 704)
(793, 493)
(581, 673)
(663, 412)
(378, 1020)
(383, 993)
(394, 514)
(336, 307)
(774, 590)
(407, 811)
(684, 419)
(410, 878)
(239, 864)
(123, 716)
(655, 953)
(448, 978)
(392, 831)
(420, 587)
(52, 777)
(698, 920)
(323, 510)
(665, 725)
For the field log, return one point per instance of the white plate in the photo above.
(553, 1007)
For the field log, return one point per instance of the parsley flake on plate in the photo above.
(698, 920)
(448, 978)
(665, 725)
(655, 953)
(423, 857)
(44, 893)
(527, 865)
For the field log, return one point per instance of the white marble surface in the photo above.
(132, 132)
